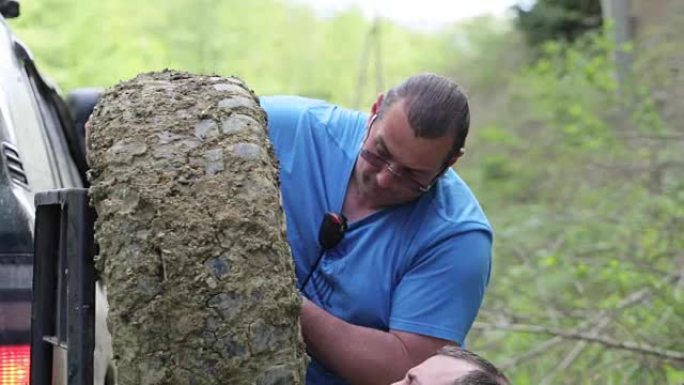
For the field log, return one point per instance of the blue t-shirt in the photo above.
(421, 267)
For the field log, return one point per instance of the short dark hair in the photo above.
(484, 374)
(435, 107)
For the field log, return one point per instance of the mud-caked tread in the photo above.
(200, 281)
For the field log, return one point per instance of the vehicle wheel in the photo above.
(81, 103)
(103, 357)
(110, 378)
(199, 276)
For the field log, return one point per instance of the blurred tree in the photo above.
(588, 279)
(295, 52)
(558, 19)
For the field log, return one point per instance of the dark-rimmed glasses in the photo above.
(380, 163)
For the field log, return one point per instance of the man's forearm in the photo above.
(358, 354)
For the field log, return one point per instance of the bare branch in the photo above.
(634, 298)
(664, 137)
(576, 351)
(573, 335)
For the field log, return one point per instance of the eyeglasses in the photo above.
(380, 163)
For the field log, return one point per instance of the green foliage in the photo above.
(553, 83)
(558, 19)
(276, 46)
(582, 179)
(589, 208)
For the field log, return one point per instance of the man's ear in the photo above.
(455, 156)
(377, 104)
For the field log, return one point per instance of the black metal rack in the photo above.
(63, 307)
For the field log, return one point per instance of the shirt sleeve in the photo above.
(287, 120)
(441, 293)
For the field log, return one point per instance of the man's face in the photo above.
(413, 162)
(437, 370)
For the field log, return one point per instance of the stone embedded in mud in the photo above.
(214, 159)
(220, 266)
(227, 304)
(206, 128)
(238, 122)
(249, 151)
(192, 247)
(124, 150)
(235, 102)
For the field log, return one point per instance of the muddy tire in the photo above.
(200, 281)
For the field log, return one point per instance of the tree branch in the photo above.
(574, 335)
(634, 298)
(575, 352)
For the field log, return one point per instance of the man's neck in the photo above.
(353, 208)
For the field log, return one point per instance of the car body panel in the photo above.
(36, 154)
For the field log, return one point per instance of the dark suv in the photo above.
(41, 148)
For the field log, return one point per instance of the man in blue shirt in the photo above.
(410, 273)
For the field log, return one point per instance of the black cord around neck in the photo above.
(313, 268)
(330, 234)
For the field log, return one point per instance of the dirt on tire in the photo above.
(192, 249)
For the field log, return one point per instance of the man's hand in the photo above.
(359, 354)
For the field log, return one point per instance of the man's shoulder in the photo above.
(296, 107)
(289, 104)
(291, 117)
(288, 110)
(454, 207)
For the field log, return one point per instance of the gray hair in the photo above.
(435, 107)
(485, 374)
